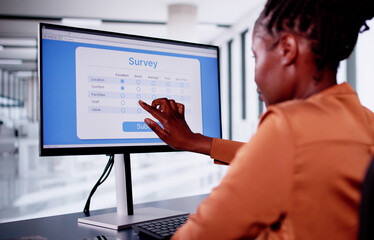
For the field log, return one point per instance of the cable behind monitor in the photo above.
(103, 177)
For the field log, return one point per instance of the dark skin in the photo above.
(176, 132)
(283, 72)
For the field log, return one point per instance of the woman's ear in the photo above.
(288, 47)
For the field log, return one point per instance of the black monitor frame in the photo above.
(90, 150)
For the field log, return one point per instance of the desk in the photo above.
(67, 227)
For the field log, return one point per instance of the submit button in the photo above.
(135, 127)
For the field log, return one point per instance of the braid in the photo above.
(332, 26)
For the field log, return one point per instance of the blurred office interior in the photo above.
(33, 186)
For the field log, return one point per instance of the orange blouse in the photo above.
(297, 178)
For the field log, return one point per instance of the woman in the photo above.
(299, 176)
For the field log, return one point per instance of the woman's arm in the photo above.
(223, 151)
(177, 134)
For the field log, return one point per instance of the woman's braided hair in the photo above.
(331, 26)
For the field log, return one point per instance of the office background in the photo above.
(31, 186)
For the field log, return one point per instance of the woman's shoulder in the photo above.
(338, 99)
(325, 116)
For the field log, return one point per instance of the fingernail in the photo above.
(147, 121)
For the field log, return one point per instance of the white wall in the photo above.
(242, 129)
(365, 67)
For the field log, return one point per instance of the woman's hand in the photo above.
(175, 132)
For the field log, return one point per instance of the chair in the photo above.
(366, 225)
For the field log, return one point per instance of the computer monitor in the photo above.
(91, 82)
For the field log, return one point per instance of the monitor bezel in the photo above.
(94, 150)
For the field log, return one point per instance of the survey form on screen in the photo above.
(110, 83)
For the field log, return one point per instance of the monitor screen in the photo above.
(91, 82)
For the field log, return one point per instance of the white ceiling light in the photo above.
(182, 22)
(10, 62)
(89, 22)
(24, 42)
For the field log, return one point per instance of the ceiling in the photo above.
(18, 21)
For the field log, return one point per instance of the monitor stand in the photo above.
(126, 216)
